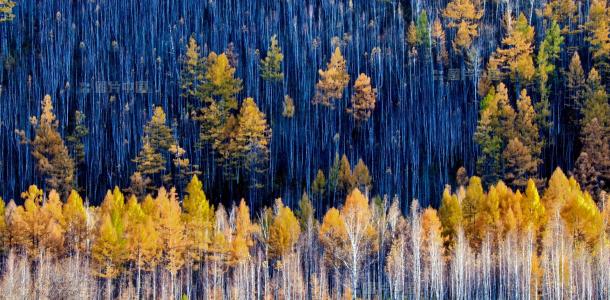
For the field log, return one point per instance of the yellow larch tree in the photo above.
(171, 230)
(516, 53)
(463, 15)
(198, 219)
(363, 99)
(76, 233)
(284, 231)
(450, 214)
(243, 236)
(332, 81)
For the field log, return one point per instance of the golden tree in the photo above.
(517, 50)
(362, 178)
(271, 65)
(220, 84)
(252, 137)
(48, 148)
(349, 235)
(108, 250)
(463, 15)
(364, 98)
(450, 214)
(243, 236)
(171, 230)
(191, 75)
(198, 219)
(284, 231)
(6, 10)
(332, 81)
(599, 32)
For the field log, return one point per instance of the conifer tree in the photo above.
(288, 110)
(471, 207)
(516, 54)
(423, 29)
(596, 143)
(53, 159)
(198, 218)
(6, 10)
(220, 84)
(598, 27)
(75, 215)
(28, 224)
(548, 53)
(412, 35)
(243, 237)
(345, 179)
(519, 164)
(191, 75)
(171, 231)
(533, 209)
(108, 250)
(586, 174)
(149, 161)
(439, 41)
(318, 187)
(450, 214)
(361, 176)
(332, 81)
(306, 211)
(158, 133)
(284, 231)
(363, 100)
(271, 65)
(463, 15)
(526, 127)
(576, 82)
(75, 139)
(253, 136)
(562, 12)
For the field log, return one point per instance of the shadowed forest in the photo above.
(328, 149)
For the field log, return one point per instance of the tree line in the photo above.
(497, 242)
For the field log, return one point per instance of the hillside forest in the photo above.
(327, 149)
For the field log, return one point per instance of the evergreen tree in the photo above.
(363, 100)
(439, 41)
(450, 213)
(284, 231)
(252, 137)
(361, 176)
(53, 159)
(423, 29)
(463, 15)
(345, 180)
(332, 81)
(548, 53)
(598, 27)
(76, 231)
(527, 128)
(191, 75)
(516, 54)
(519, 164)
(198, 219)
(271, 66)
(576, 83)
(288, 110)
(318, 187)
(596, 143)
(586, 174)
(75, 139)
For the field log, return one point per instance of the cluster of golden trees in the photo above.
(131, 235)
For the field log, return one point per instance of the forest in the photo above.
(316, 149)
